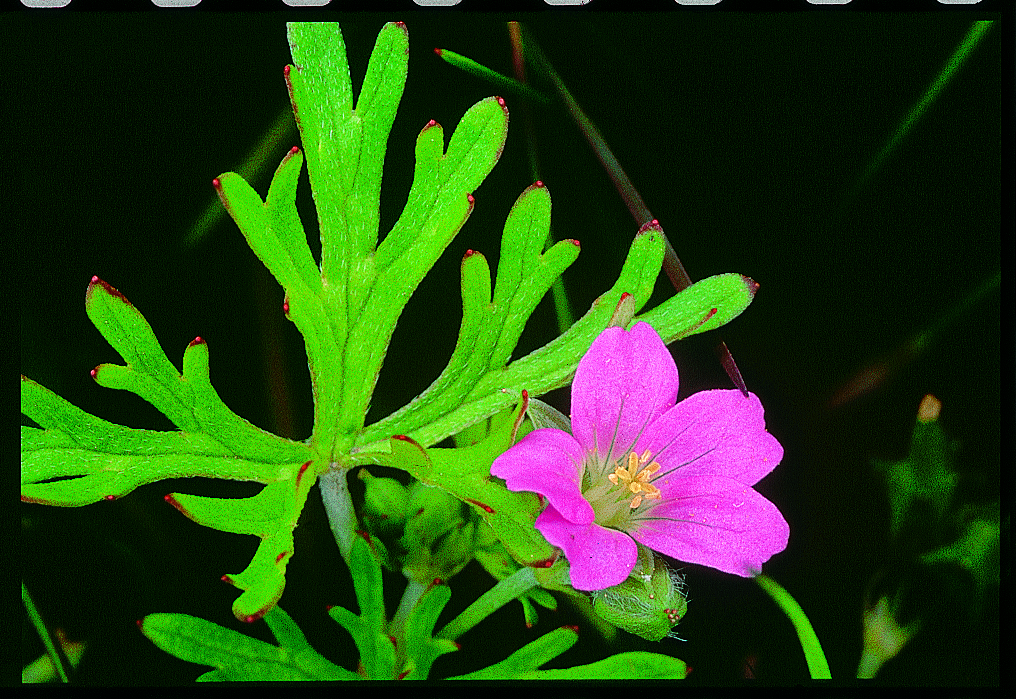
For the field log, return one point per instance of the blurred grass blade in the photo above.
(562, 306)
(55, 651)
(482, 71)
(878, 372)
(817, 664)
(973, 37)
(283, 129)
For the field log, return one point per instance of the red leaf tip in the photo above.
(576, 243)
(538, 183)
(95, 279)
(216, 183)
(286, 70)
(294, 150)
(94, 372)
(571, 627)
(471, 199)
(438, 51)
(486, 508)
(653, 225)
(110, 498)
(751, 284)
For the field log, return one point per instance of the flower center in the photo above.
(636, 478)
(626, 488)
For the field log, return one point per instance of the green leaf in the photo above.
(345, 146)
(237, 657)
(705, 305)
(491, 327)
(526, 660)
(149, 373)
(368, 629)
(99, 460)
(422, 649)
(439, 204)
(523, 664)
(364, 291)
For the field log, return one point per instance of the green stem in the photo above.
(414, 591)
(818, 666)
(339, 507)
(489, 602)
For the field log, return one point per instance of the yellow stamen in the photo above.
(633, 464)
(635, 480)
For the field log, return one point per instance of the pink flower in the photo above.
(637, 467)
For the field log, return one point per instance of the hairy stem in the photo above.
(339, 506)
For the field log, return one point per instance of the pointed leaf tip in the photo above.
(653, 225)
(751, 284)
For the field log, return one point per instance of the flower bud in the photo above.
(649, 603)
(439, 537)
(385, 502)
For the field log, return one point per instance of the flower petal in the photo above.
(624, 381)
(598, 557)
(548, 462)
(717, 522)
(711, 433)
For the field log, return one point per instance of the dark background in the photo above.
(744, 135)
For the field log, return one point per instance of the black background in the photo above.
(743, 133)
